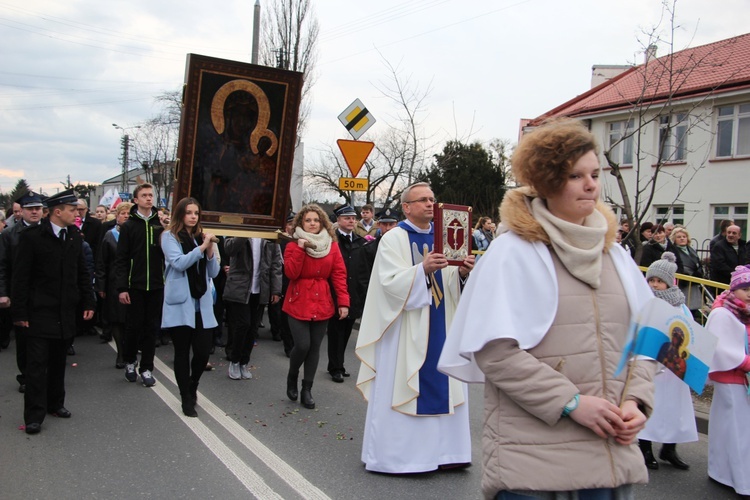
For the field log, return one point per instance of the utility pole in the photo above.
(125, 142)
(256, 32)
(125, 147)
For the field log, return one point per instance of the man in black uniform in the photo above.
(49, 280)
(357, 278)
(32, 205)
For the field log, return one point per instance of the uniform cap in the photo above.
(345, 210)
(67, 197)
(388, 215)
(31, 199)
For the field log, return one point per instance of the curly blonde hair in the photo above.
(325, 221)
(545, 156)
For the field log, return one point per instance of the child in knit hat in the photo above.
(660, 277)
(672, 419)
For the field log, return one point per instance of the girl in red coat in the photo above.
(313, 265)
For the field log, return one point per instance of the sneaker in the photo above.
(147, 378)
(130, 372)
(245, 372)
(234, 371)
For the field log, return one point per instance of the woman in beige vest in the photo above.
(560, 295)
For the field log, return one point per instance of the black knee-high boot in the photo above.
(194, 392)
(188, 406)
(291, 386)
(648, 454)
(306, 396)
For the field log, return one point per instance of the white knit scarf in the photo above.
(322, 242)
(579, 247)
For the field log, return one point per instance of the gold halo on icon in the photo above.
(264, 112)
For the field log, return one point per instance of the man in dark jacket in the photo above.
(91, 227)
(139, 275)
(387, 218)
(727, 254)
(50, 279)
(357, 278)
(31, 213)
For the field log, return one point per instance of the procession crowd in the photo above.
(541, 316)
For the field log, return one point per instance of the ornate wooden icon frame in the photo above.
(234, 207)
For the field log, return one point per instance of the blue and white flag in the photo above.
(670, 336)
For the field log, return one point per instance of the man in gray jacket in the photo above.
(253, 280)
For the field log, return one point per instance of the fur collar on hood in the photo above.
(515, 215)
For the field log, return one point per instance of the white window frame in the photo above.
(736, 118)
(675, 149)
(738, 213)
(621, 153)
(669, 213)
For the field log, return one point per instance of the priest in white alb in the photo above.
(417, 418)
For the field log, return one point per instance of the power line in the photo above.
(440, 28)
(76, 105)
(377, 19)
(107, 31)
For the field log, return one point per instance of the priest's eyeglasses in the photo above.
(425, 199)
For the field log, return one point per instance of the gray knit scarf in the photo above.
(672, 295)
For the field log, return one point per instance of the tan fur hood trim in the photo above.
(515, 215)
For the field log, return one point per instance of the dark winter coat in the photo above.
(92, 232)
(652, 252)
(50, 279)
(308, 297)
(8, 252)
(724, 259)
(114, 311)
(239, 279)
(357, 272)
(140, 262)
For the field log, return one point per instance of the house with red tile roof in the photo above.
(677, 128)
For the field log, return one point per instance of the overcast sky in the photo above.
(69, 69)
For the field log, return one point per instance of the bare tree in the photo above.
(154, 144)
(289, 41)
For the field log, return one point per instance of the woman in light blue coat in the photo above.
(188, 297)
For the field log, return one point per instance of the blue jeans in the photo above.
(592, 494)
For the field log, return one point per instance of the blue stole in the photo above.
(434, 396)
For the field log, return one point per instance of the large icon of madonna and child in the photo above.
(237, 140)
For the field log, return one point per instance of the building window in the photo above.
(670, 213)
(737, 213)
(733, 131)
(621, 142)
(673, 137)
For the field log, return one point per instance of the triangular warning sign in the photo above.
(355, 153)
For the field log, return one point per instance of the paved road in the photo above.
(126, 441)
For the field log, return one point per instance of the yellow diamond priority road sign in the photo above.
(357, 119)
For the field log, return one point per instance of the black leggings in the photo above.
(308, 335)
(183, 338)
